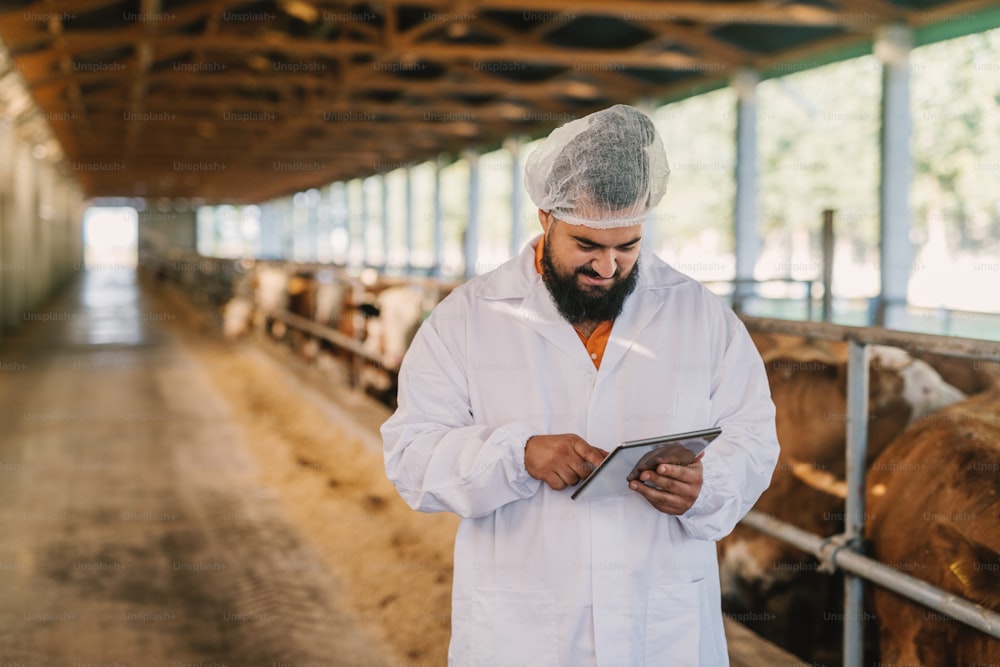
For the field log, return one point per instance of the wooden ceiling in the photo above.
(246, 100)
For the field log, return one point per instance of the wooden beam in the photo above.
(716, 13)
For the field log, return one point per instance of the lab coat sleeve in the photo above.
(436, 456)
(739, 464)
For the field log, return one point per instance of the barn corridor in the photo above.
(133, 527)
(169, 499)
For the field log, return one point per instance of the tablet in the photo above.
(630, 458)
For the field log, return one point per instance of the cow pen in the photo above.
(838, 551)
(843, 550)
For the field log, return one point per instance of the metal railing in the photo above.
(841, 551)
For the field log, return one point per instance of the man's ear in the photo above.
(545, 218)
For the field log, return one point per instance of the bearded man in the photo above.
(519, 382)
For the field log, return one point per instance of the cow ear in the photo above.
(973, 564)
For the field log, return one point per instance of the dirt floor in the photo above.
(171, 498)
(166, 499)
(317, 445)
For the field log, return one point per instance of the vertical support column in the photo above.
(857, 446)
(288, 220)
(827, 266)
(343, 219)
(408, 220)
(438, 220)
(471, 236)
(513, 145)
(363, 215)
(745, 214)
(6, 195)
(893, 45)
(41, 237)
(270, 231)
(313, 201)
(22, 220)
(78, 207)
(324, 252)
(384, 183)
(61, 211)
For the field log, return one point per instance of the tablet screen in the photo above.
(628, 459)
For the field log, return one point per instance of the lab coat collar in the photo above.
(518, 279)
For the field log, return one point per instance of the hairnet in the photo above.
(603, 170)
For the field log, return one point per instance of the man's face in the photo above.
(589, 272)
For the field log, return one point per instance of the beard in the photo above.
(586, 303)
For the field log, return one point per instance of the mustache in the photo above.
(587, 271)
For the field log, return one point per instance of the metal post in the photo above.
(745, 214)
(827, 265)
(384, 183)
(438, 220)
(516, 196)
(892, 46)
(471, 236)
(363, 214)
(809, 300)
(22, 190)
(270, 231)
(857, 446)
(344, 221)
(312, 226)
(409, 219)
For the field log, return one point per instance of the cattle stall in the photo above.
(361, 318)
(296, 312)
(843, 551)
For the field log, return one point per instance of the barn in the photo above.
(223, 223)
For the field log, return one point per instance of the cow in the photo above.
(270, 296)
(237, 314)
(808, 384)
(933, 496)
(401, 310)
(397, 315)
(970, 376)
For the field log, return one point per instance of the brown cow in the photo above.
(933, 497)
(809, 386)
(970, 376)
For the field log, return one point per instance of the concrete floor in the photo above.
(132, 531)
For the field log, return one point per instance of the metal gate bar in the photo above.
(968, 348)
(835, 551)
(843, 550)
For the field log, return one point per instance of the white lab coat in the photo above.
(541, 579)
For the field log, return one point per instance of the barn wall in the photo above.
(41, 219)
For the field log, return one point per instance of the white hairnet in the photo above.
(603, 170)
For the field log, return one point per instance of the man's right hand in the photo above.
(561, 460)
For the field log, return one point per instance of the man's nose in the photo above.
(605, 264)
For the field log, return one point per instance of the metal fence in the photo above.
(842, 551)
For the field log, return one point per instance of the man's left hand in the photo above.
(675, 487)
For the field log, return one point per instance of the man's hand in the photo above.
(677, 486)
(561, 460)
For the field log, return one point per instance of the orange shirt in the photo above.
(598, 340)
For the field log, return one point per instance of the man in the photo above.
(518, 383)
